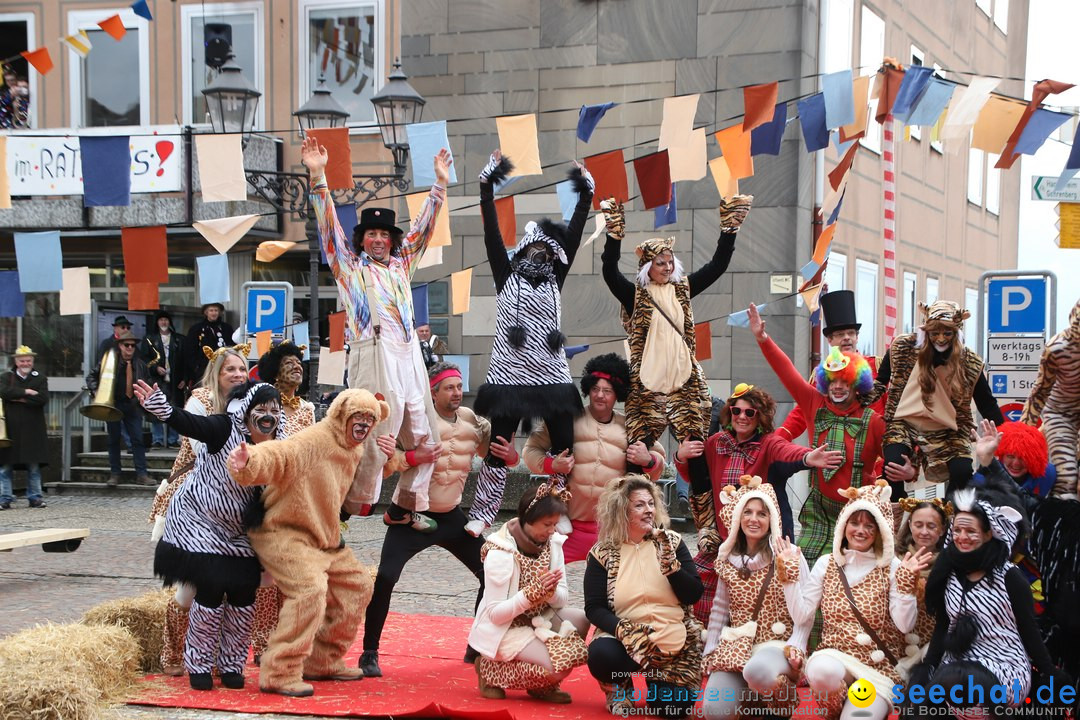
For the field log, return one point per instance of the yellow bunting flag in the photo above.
(811, 296)
(460, 289)
(997, 119)
(441, 235)
(721, 175)
(518, 141)
(262, 341)
(79, 43)
(271, 250)
(223, 233)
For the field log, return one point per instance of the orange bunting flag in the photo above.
(609, 171)
(504, 209)
(143, 296)
(703, 341)
(262, 341)
(40, 59)
(725, 184)
(146, 255)
(460, 289)
(888, 84)
(339, 161)
(735, 145)
(821, 247)
(114, 26)
(759, 104)
(996, 121)
(337, 331)
(836, 176)
(859, 88)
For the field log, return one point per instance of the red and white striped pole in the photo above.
(888, 226)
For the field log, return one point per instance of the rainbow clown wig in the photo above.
(848, 367)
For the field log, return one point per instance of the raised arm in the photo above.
(793, 382)
(584, 186)
(422, 226)
(335, 243)
(620, 287)
(497, 170)
(732, 214)
(213, 430)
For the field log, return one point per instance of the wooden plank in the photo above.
(39, 537)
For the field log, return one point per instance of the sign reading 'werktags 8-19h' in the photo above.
(52, 164)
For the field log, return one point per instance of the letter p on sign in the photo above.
(1016, 305)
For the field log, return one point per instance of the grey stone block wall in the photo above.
(477, 59)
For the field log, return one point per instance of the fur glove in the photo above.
(734, 211)
(614, 218)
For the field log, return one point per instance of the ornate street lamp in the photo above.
(231, 100)
(321, 111)
(397, 105)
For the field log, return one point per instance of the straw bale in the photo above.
(66, 672)
(143, 616)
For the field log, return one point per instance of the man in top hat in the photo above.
(213, 332)
(120, 324)
(129, 369)
(163, 350)
(25, 392)
(373, 274)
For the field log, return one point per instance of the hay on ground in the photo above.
(66, 672)
(143, 616)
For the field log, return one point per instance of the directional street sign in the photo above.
(1012, 411)
(1042, 188)
(1011, 384)
(1068, 225)
(1014, 350)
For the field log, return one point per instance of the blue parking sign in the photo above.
(267, 309)
(1017, 305)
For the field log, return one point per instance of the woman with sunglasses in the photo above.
(745, 445)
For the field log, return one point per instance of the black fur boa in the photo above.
(501, 171)
(580, 184)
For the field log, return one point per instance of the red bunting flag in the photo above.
(504, 209)
(653, 179)
(703, 341)
(339, 152)
(337, 331)
(888, 84)
(609, 172)
(143, 296)
(40, 59)
(146, 254)
(114, 26)
(838, 172)
(759, 104)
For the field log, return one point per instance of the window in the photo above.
(837, 18)
(993, 184)
(16, 31)
(1001, 15)
(866, 304)
(983, 5)
(917, 58)
(931, 290)
(871, 52)
(975, 176)
(835, 276)
(240, 24)
(111, 85)
(342, 41)
(911, 301)
(971, 325)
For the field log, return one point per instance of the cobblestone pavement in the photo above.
(116, 561)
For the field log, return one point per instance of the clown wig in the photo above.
(848, 367)
(1026, 443)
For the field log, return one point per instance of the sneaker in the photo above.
(417, 521)
(233, 680)
(369, 663)
(114, 480)
(564, 525)
(476, 527)
(201, 681)
(37, 503)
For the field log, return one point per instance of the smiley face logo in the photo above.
(861, 694)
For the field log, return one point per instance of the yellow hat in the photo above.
(24, 351)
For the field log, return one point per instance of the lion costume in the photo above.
(298, 541)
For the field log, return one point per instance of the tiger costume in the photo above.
(1055, 400)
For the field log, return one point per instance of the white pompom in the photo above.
(912, 638)
(877, 656)
(863, 639)
(539, 621)
(779, 628)
(911, 650)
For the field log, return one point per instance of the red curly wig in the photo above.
(1026, 443)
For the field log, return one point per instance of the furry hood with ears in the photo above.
(353, 401)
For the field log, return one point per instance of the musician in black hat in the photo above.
(120, 325)
(213, 332)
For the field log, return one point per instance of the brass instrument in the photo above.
(5, 441)
(102, 407)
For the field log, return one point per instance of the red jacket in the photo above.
(808, 400)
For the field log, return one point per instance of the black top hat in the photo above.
(121, 320)
(377, 219)
(838, 311)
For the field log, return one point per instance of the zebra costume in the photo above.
(1055, 400)
(529, 375)
(205, 543)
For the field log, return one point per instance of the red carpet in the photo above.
(423, 677)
